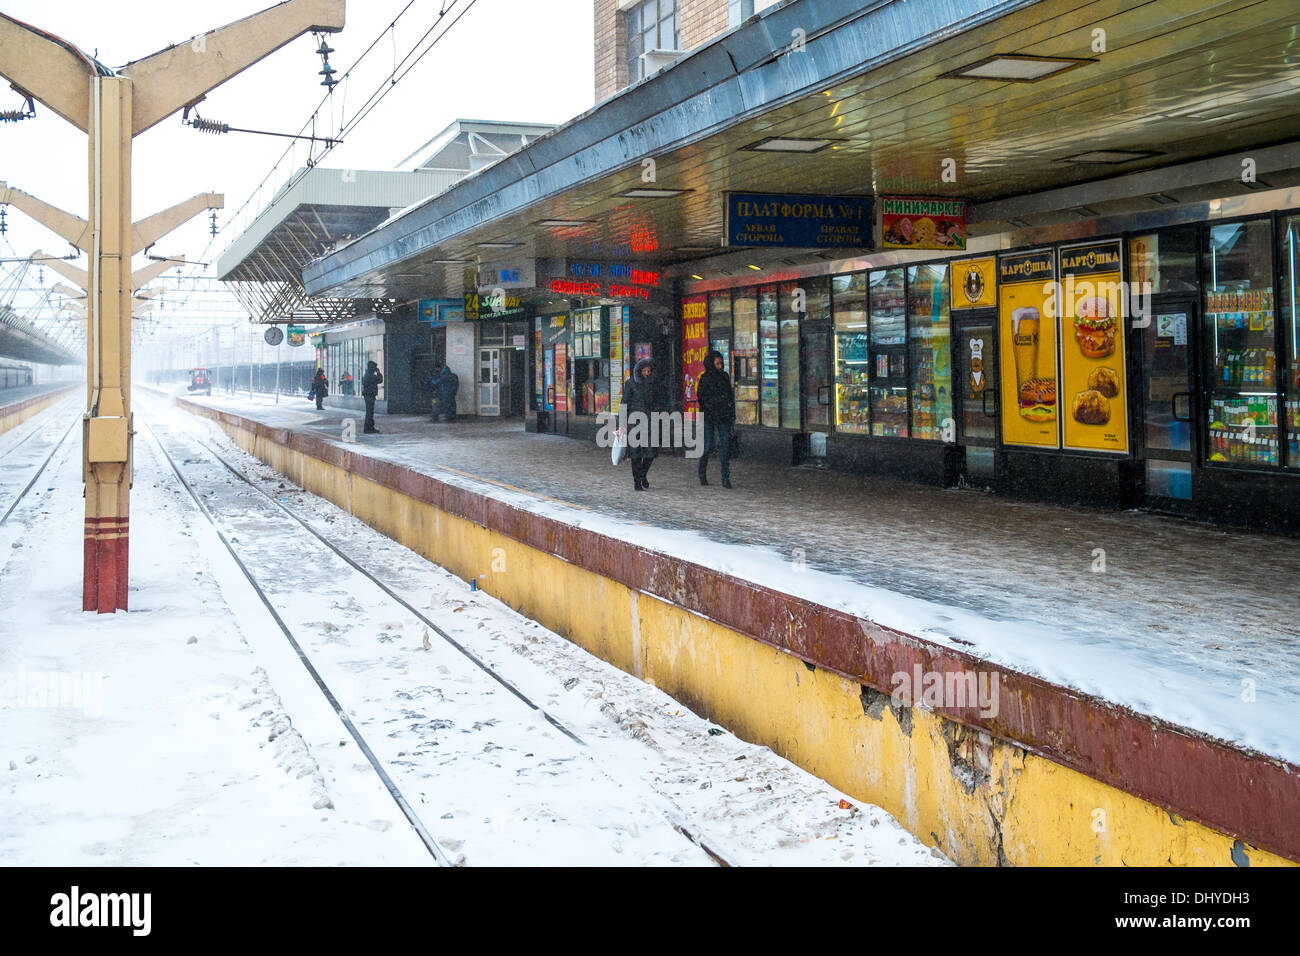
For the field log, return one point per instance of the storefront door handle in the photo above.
(823, 395)
(984, 404)
(1173, 406)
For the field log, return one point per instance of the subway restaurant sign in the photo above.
(919, 223)
(807, 222)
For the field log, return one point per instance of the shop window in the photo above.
(720, 325)
(1291, 336)
(888, 354)
(852, 378)
(769, 359)
(815, 369)
(792, 296)
(1165, 259)
(1241, 344)
(651, 25)
(929, 351)
(744, 355)
(591, 386)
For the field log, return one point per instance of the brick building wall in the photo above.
(701, 21)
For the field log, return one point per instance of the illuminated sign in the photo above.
(614, 270)
(595, 290)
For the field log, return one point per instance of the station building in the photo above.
(1043, 246)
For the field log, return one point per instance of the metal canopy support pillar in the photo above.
(106, 455)
(111, 109)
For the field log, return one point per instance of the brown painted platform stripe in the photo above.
(1244, 794)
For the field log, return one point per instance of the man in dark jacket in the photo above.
(448, 386)
(370, 391)
(640, 396)
(318, 388)
(718, 404)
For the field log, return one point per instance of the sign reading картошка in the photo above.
(781, 219)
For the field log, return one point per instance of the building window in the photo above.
(738, 11)
(651, 25)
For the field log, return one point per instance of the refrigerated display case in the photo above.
(789, 352)
(744, 355)
(1241, 380)
(887, 354)
(769, 358)
(720, 325)
(930, 350)
(1290, 328)
(852, 377)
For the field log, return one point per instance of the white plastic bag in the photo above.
(618, 450)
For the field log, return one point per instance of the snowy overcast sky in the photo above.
(525, 60)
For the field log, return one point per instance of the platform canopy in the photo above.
(20, 340)
(320, 209)
(1029, 99)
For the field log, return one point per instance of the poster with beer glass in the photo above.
(1028, 337)
(1093, 397)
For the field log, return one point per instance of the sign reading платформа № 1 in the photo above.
(809, 222)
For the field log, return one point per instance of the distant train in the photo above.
(15, 376)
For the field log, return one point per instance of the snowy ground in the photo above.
(1188, 622)
(189, 733)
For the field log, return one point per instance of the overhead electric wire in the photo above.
(364, 110)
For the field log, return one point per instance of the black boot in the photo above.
(726, 482)
(704, 479)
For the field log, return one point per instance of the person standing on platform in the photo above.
(718, 405)
(370, 383)
(640, 395)
(319, 389)
(448, 386)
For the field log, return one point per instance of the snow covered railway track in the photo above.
(403, 804)
(23, 458)
(514, 763)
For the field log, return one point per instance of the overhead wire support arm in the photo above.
(215, 126)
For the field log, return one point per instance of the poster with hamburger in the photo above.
(1027, 333)
(1094, 400)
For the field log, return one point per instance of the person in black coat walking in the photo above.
(370, 391)
(641, 398)
(319, 388)
(718, 405)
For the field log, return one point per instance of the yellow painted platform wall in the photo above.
(14, 419)
(982, 801)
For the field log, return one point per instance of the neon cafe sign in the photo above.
(585, 280)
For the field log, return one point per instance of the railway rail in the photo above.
(443, 855)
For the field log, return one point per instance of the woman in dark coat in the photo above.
(641, 395)
(718, 404)
(370, 391)
(318, 388)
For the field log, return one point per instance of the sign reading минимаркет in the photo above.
(772, 219)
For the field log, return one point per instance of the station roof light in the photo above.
(652, 193)
(564, 223)
(1111, 157)
(1015, 68)
(789, 144)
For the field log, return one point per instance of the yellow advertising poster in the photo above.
(1094, 400)
(974, 283)
(1027, 333)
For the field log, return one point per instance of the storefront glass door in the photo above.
(975, 382)
(489, 381)
(1167, 401)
